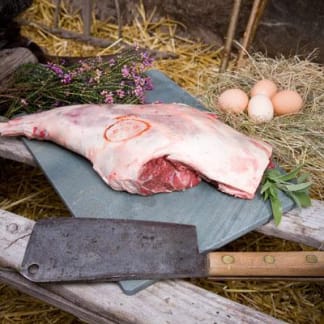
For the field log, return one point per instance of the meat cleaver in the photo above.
(89, 249)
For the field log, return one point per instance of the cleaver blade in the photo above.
(73, 249)
(92, 249)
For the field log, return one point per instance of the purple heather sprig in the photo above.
(112, 62)
(148, 84)
(56, 69)
(125, 71)
(120, 79)
(120, 93)
(147, 61)
(65, 78)
(108, 96)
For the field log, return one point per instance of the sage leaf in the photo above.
(298, 187)
(291, 175)
(274, 181)
(265, 186)
(301, 199)
(276, 209)
(302, 178)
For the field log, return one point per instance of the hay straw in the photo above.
(16, 307)
(25, 190)
(146, 31)
(297, 138)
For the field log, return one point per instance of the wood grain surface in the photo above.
(164, 302)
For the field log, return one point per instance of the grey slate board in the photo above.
(219, 218)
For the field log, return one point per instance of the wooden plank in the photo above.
(19, 282)
(163, 311)
(304, 225)
(87, 16)
(300, 225)
(14, 149)
(11, 59)
(164, 302)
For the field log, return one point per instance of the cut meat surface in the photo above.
(152, 148)
(162, 175)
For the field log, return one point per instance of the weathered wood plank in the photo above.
(20, 283)
(164, 302)
(301, 225)
(11, 58)
(304, 225)
(164, 309)
(14, 149)
(14, 235)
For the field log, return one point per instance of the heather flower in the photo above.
(125, 71)
(98, 75)
(108, 96)
(84, 67)
(112, 62)
(56, 69)
(147, 61)
(24, 102)
(139, 81)
(139, 93)
(148, 83)
(109, 99)
(144, 82)
(67, 78)
(120, 93)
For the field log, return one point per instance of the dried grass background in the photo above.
(24, 190)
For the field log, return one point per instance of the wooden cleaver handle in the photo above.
(266, 264)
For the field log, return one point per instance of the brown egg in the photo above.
(287, 102)
(264, 87)
(233, 100)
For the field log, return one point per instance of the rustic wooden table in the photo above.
(172, 301)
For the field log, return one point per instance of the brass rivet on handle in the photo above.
(311, 258)
(269, 259)
(228, 259)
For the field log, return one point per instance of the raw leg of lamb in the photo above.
(147, 149)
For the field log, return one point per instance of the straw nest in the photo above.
(298, 138)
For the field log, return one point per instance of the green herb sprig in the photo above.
(295, 185)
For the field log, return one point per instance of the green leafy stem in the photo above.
(295, 184)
